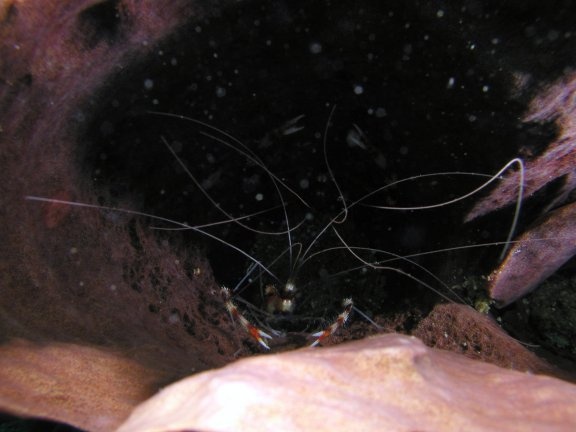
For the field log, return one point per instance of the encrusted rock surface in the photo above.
(389, 382)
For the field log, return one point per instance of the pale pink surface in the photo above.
(390, 382)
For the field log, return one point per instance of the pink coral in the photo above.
(547, 245)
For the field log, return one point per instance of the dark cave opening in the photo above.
(408, 99)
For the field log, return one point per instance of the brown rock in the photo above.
(106, 318)
(461, 329)
(554, 103)
(390, 382)
(91, 388)
(536, 255)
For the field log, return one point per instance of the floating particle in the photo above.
(380, 112)
(358, 89)
(148, 84)
(356, 137)
(553, 35)
(315, 48)
(259, 197)
(451, 82)
(106, 128)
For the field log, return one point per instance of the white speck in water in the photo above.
(162, 192)
(112, 287)
(358, 89)
(553, 35)
(315, 48)
(220, 92)
(356, 137)
(304, 183)
(198, 29)
(259, 197)
(451, 82)
(380, 112)
(155, 101)
(485, 89)
(173, 318)
(472, 118)
(173, 61)
(81, 283)
(309, 216)
(73, 250)
(79, 116)
(106, 128)
(148, 84)
(440, 13)
(176, 146)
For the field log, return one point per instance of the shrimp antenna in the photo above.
(158, 218)
(238, 146)
(376, 266)
(344, 211)
(492, 179)
(209, 197)
(301, 257)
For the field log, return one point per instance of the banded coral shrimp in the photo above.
(291, 291)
